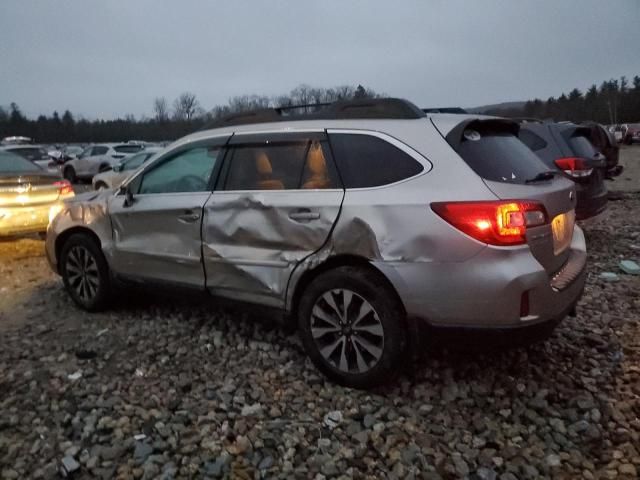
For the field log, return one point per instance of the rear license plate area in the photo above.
(562, 229)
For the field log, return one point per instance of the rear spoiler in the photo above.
(456, 136)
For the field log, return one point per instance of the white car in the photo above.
(34, 153)
(123, 170)
(98, 158)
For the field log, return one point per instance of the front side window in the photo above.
(368, 161)
(304, 164)
(188, 171)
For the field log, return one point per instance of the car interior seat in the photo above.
(316, 172)
(265, 173)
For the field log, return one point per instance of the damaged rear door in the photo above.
(276, 202)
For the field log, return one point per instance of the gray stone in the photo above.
(142, 452)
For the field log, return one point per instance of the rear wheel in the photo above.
(101, 186)
(352, 327)
(70, 174)
(85, 272)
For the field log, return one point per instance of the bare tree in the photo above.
(161, 109)
(185, 106)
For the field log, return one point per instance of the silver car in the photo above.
(98, 158)
(366, 222)
(123, 170)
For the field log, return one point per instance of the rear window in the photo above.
(30, 153)
(498, 156)
(368, 161)
(128, 148)
(581, 146)
(14, 163)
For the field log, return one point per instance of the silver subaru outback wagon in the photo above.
(363, 221)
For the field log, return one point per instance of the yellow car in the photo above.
(30, 197)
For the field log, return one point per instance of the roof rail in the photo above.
(368, 108)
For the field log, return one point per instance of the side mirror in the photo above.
(128, 197)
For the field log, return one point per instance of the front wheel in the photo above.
(85, 272)
(352, 327)
(101, 186)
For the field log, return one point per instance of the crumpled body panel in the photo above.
(253, 240)
(88, 211)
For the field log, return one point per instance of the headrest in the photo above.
(315, 159)
(263, 164)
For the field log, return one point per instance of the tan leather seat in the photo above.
(316, 169)
(265, 174)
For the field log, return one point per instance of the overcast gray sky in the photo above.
(111, 58)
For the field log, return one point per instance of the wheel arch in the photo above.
(64, 236)
(343, 260)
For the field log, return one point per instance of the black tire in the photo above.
(95, 293)
(70, 174)
(387, 313)
(100, 185)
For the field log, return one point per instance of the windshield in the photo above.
(137, 160)
(10, 162)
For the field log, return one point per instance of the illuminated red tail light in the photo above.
(499, 223)
(64, 187)
(574, 167)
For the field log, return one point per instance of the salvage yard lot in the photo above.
(218, 392)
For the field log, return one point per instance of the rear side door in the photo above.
(157, 236)
(276, 202)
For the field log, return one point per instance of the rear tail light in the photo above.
(575, 167)
(64, 187)
(499, 223)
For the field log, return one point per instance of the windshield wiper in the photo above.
(548, 175)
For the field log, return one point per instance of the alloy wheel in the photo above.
(347, 331)
(82, 273)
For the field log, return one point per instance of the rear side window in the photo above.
(304, 164)
(581, 146)
(531, 140)
(498, 156)
(368, 161)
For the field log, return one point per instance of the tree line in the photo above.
(615, 101)
(167, 122)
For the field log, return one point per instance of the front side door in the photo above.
(157, 236)
(276, 202)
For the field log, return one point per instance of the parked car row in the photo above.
(626, 133)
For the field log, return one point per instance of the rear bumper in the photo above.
(485, 292)
(589, 203)
(16, 221)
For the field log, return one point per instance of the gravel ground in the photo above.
(161, 388)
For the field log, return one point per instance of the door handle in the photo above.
(304, 215)
(189, 217)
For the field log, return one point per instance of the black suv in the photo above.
(566, 147)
